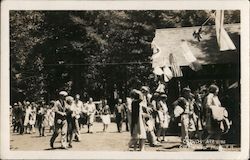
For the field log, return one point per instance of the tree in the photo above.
(88, 51)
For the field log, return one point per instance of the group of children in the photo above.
(27, 116)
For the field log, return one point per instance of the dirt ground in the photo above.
(99, 141)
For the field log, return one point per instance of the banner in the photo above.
(167, 73)
(223, 39)
(189, 56)
(176, 70)
(158, 71)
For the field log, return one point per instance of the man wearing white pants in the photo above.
(61, 124)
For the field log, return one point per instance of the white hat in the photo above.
(63, 93)
(145, 88)
(69, 98)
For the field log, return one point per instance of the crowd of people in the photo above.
(147, 116)
(201, 117)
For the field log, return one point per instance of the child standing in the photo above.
(163, 119)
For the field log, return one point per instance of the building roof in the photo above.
(206, 51)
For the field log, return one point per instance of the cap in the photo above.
(145, 88)
(69, 98)
(186, 89)
(164, 96)
(136, 94)
(63, 93)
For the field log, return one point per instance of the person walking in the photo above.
(33, 113)
(105, 115)
(91, 110)
(199, 113)
(138, 130)
(119, 115)
(76, 116)
(51, 117)
(148, 112)
(185, 104)
(26, 123)
(217, 122)
(61, 125)
(163, 119)
(15, 118)
(19, 118)
(70, 117)
(128, 106)
(41, 119)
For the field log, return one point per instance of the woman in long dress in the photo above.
(27, 118)
(105, 116)
(70, 107)
(32, 121)
(138, 131)
(216, 115)
(51, 117)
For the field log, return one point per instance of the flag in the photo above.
(167, 73)
(176, 70)
(189, 56)
(158, 71)
(223, 39)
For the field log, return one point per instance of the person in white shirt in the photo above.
(61, 125)
(51, 117)
(163, 118)
(76, 116)
(105, 115)
(91, 110)
(70, 117)
(33, 111)
(27, 117)
(216, 116)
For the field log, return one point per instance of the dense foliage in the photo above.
(88, 52)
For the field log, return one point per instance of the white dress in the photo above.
(51, 117)
(140, 131)
(106, 116)
(33, 116)
(164, 118)
(27, 115)
(91, 109)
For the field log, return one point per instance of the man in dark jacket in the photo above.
(119, 114)
(60, 120)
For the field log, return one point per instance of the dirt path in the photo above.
(98, 141)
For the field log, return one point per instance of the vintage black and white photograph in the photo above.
(125, 80)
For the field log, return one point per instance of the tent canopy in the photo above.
(206, 51)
